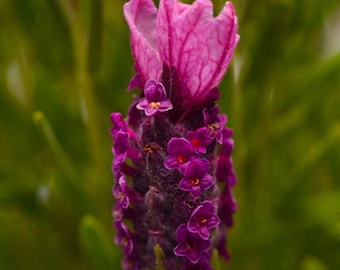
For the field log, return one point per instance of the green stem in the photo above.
(84, 82)
(41, 121)
(159, 254)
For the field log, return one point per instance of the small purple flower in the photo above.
(202, 264)
(196, 177)
(117, 213)
(190, 245)
(200, 139)
(121, 192)
(203, 219)
(122, 150)
(123, 237)
(120, 125)
(215, 122)
(120, 146)
(155, 99)
(210, 115)
(180, 152)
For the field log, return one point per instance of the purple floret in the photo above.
(196, 177)
(190, 245)
(121, 192)
(200, 139)
(180, 153)
(123, 237)
(203, 219)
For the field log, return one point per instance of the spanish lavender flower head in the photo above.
(172, 154)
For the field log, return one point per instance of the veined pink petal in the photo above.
(199, 46)
(169, 10)
(141, 16)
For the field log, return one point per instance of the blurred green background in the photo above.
(65, 66)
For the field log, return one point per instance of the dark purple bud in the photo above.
(220, 242)
(190, 245)
(196, 177)
(203, 219)
(121, 146)
(210, 116)
(225, 171)
(215, 122)
(120, 125)
(227, 206)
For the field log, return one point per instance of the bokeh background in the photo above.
(65, 66)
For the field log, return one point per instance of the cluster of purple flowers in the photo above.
(172, 155)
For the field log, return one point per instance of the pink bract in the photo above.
(185, 37)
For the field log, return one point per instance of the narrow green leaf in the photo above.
(41, 121)
(320, 148)
(313, 263)
(95, 44)
(97, 243)
(216, 260)
(70, 185)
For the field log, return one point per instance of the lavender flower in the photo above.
(155, 99)
(121, 193)
(172, 155)
(123, 237)
(196, 178)
(180, 152)
(190, 245)
(203, 219)
(200, 139)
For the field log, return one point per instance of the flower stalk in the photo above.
(172, 154)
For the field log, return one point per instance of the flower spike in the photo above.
(172, 153)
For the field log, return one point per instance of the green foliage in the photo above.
(65, 66)
(97, 245)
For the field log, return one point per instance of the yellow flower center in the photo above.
(195, 181)
(204, 220)
(181, 158)
(214, 126)
(154, 105)
(120, 196)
